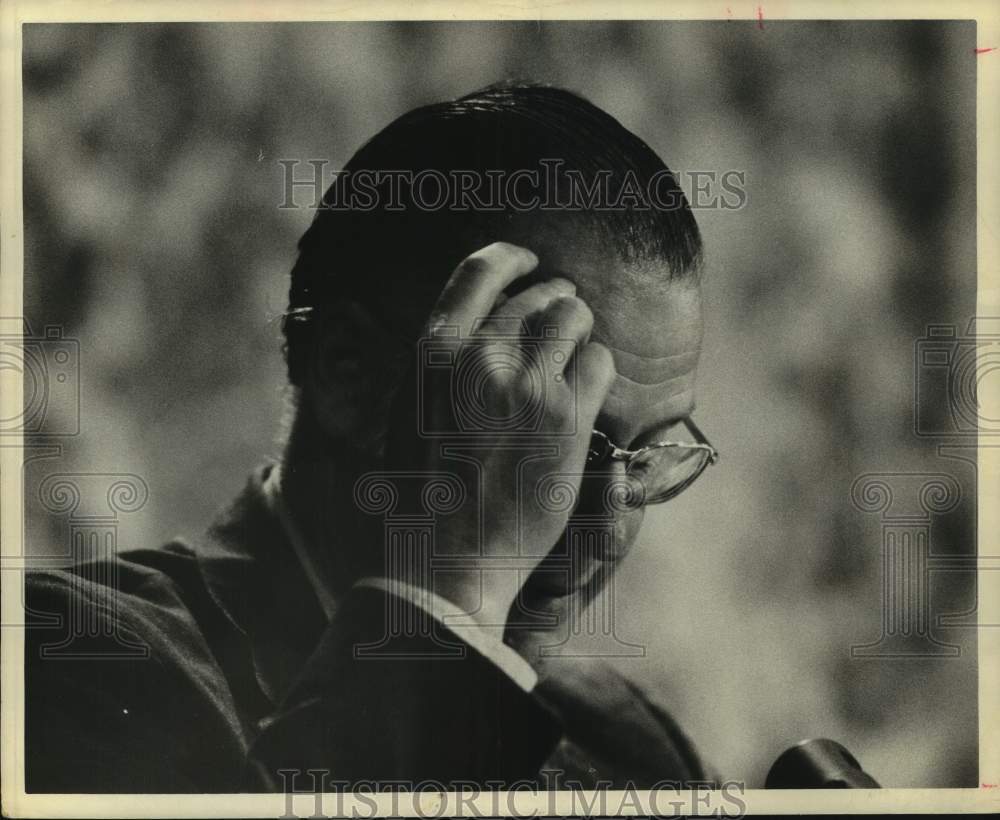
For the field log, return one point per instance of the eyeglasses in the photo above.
(664, 469)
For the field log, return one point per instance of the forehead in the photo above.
(655, 342)
(652, 326)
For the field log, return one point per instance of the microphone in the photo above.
(818, 764)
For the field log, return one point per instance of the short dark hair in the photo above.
(385, 257)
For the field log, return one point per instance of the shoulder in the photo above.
(149, 595)
(116, 662)
(140, 622)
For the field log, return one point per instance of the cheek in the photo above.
(355, 400)
(602, 496)
(625, 525)
(627, 530)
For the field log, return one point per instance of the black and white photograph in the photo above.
(564, 409)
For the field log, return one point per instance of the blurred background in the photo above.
(154, 239)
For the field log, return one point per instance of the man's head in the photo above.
(603, 211)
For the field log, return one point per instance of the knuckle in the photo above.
(473, 267)
(581, 310)
(509, 255)
(500, 247)
(487, 352)
(507, 249)
(495, 365)
(573, 309)
(557, 287)
(494, 262)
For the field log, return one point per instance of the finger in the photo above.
(591, 381)
(562, 327)
(529, 302)
(477, 282)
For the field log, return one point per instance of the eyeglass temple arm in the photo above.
(701, 438)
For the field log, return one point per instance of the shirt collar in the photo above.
(276, 503)
(252, 570)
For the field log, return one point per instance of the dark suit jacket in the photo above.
(212, 669)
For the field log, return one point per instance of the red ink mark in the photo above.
(760, 17)
(989, 785)
(983, 50)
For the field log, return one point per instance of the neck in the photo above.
(318, 476)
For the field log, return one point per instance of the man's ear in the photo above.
(349, 381)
